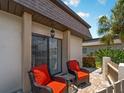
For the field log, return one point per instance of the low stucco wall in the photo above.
(10, 52)
(76, 48)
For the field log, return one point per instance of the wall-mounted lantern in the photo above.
(52, 33)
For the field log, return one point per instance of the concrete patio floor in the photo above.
(97, 82)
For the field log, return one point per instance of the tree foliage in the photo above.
(118, 19)
(109, 28)
(104, 30)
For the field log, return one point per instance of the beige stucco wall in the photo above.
(45, 30)
(10, 52)
(11, 49)
(76, 48)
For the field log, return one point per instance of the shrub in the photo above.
(89, 61)
(116, 55)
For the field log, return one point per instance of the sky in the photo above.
(91, 11)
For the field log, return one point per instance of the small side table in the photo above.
(70, 79)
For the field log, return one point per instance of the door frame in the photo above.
(40, 35)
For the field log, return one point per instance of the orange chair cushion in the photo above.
(82, 75)
(73, 64)
(57, 87)
(41, 74)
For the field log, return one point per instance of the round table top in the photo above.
(67, 76)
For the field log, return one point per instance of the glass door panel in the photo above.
(54, 56)
(39, 50)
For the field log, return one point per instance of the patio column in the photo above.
(121, 71)
(65, 50)
(26, 51)
(105, 67)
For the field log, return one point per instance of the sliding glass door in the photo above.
(47, 50)
(39, 50)
(54, 55)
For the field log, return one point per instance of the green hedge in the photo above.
(116, 55)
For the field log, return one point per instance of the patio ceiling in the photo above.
(48, 13)
(17, 9)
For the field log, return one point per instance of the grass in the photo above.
(98, 64)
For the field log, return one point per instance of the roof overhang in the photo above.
(96, 42)
(49, 12)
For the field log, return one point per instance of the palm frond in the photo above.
(121, 36)
(108, 38)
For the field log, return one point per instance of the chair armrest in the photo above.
(84, 70)
(59, 78)
(42, 89)
(74, 73)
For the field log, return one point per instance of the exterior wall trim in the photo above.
(26, 50)
(65, 49)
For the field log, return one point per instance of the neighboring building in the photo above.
(25, 39)
(92, 45)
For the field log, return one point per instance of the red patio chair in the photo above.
(42, 82)
(81, 74)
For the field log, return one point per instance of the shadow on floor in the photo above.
(84, 85)
(90, 69)
(81, 86)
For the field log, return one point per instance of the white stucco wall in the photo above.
(10, 52)
(76, 48)
(45, 30)
(87, 50)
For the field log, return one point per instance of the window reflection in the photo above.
(39, 50)
(47, 50)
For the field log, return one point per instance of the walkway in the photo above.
(97, 82)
